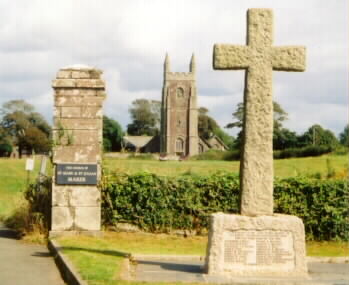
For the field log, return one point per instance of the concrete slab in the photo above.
(156, 269)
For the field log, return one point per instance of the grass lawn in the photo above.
(13, 180)
(99, 260)
(283, 167)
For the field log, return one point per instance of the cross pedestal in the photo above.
(257, 243)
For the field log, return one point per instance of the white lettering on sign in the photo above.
(76, 174)
(76, 179)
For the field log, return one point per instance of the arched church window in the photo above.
(180, 92)
(179, 145)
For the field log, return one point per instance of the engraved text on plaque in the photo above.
(264, 248)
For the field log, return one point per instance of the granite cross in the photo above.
(259, 58)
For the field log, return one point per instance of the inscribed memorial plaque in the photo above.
(68, 174)
(261, 248)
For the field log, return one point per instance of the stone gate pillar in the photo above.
(79, 93)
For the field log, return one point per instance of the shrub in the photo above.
(218, 155)
(35, 215)
(161, 204)
(302, 152)
(5, 149)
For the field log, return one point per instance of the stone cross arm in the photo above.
(234, 57)
(259, 51)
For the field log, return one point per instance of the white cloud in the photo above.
(129, 39)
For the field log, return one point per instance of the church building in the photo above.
(179, 112)
(179, 118)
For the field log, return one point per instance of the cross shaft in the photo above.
(259, 58)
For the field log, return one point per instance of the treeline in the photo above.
(146, 115)
(22, 127)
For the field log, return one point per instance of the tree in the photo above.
(284, 138)
(5, 143)
(16, 106)
(206, 124)
(344, 136)
(316, 135)
(207, 127)
(145, 116)
(34, 139)
(279, 116)
(112, 134)
(25, 128)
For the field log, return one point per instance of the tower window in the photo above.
(180, 92)
(179, 145)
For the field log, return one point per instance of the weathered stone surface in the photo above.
(80, 74)
(91, 112)
(77, 154)
(264, 246)
(90, 83)
(62, 218)
(57, 112)
(76, 92)
(77, 133)
(64, 74)
(87, 218)
(66, 83)
(77, 137)
(259, 59)
(70, 112)
(72, 101)
(78, 123)
(80, 195)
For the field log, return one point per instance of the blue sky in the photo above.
(128, 40)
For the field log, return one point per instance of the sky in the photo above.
(128, 40)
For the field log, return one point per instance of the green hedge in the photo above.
(161, 204)
(278, 154)
(311, 150)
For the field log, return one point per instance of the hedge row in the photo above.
(161, 204)
(312, 150)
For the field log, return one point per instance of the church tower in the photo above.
(179, 113)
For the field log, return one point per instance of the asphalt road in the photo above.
(25, 264)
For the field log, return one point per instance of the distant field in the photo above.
(283, 167)
(13, 176)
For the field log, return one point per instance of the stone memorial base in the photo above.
(262, 246)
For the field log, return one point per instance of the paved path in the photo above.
(155, 270)
(25, 264)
